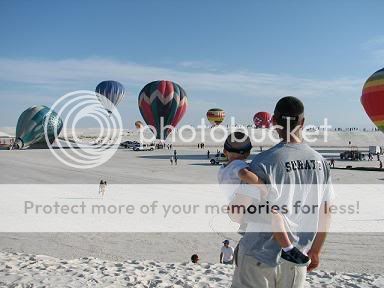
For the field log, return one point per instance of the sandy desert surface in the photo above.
(159, 259)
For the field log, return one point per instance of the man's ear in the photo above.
(302, 122)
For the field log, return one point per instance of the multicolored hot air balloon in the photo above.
(262, 119)
(139, 124)
(372, 98)
(30, 126)
(216, 116)
(162, 103)
(110, 94)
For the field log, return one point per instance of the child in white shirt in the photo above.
(237, 148)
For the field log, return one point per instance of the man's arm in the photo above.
(321, 235)
(221, 257)
(249, 177)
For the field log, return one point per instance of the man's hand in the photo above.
(315, 260)
(318, 242)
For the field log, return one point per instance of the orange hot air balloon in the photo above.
(372, 98)
(139, 124)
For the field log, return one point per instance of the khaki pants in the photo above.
(250, 273)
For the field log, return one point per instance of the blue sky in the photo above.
(237, 55)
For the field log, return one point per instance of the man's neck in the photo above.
(295, 138)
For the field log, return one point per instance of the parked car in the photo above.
(218, 159)
(352, 154)
(144, 147)
(129, 144)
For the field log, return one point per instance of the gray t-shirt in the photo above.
(296, 175)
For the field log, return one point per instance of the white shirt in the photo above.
(229, 173)
(227, 253)
(229, 180)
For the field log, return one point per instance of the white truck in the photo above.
(218, 159)
(144, 147)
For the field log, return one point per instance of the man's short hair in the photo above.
(290, 110)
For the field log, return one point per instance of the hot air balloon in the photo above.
(372, 98)
(30, 127)
(139, 124)
(262, 119)
(162, 103)
(110, 94)
(215, 116)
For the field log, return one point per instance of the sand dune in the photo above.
(27, 270)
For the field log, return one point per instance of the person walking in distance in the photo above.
(101, 186)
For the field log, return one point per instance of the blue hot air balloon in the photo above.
(30, 126)
(110, 94)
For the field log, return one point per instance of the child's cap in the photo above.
(238, 142)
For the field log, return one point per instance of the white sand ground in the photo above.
(350, 259)
(128, 167)
(26, 270)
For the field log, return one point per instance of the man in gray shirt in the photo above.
(299, 185)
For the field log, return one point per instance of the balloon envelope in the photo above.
(110, 94)
(162, 103)
(372, 98)
(262, 119)
(139, 124)
(216, 116)
(30, 126)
